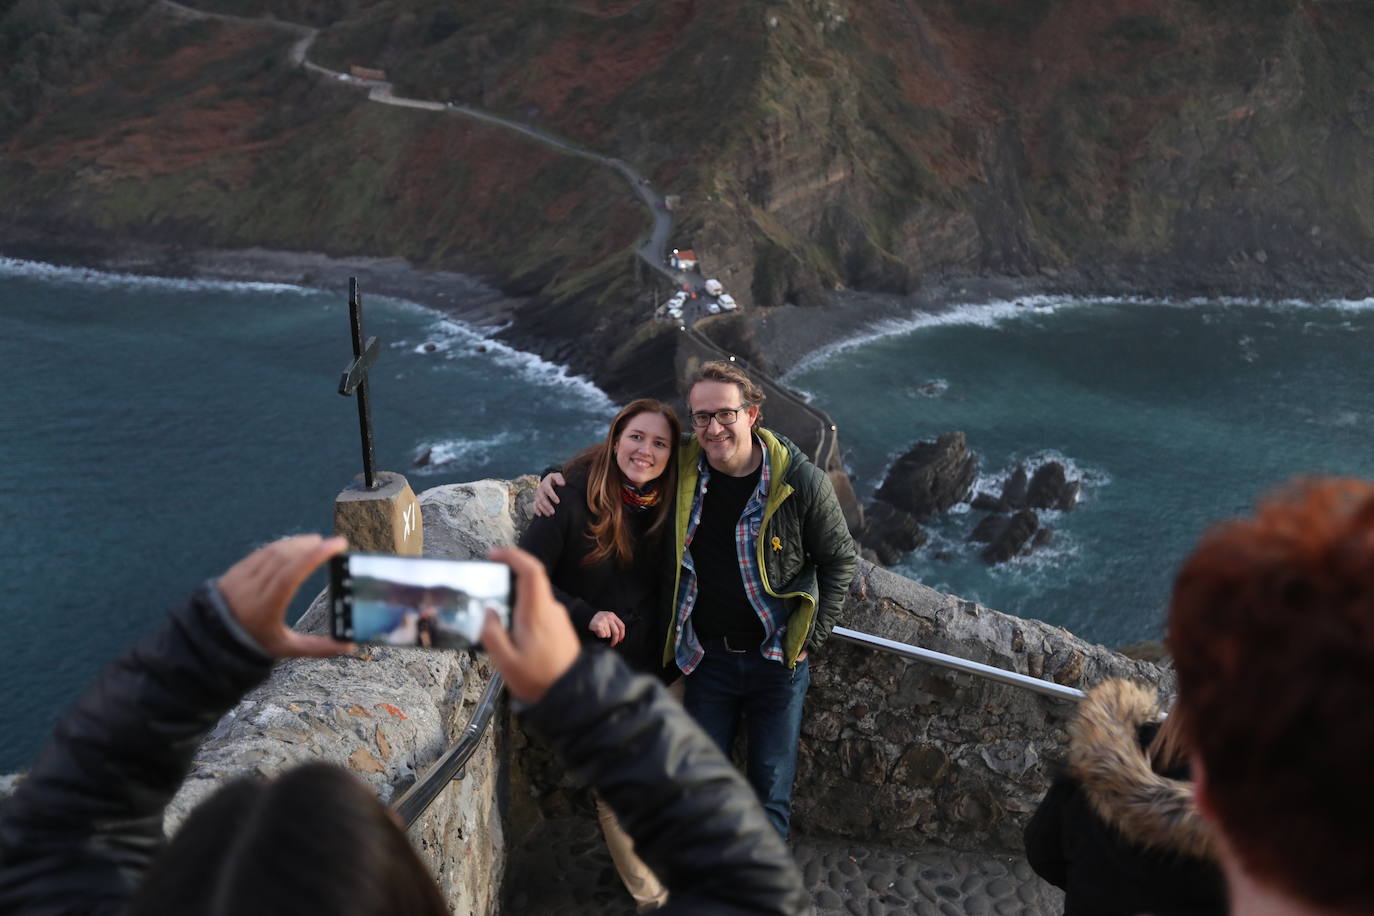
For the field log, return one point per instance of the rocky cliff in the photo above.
(1189, 145)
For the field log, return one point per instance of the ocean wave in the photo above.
(441, 455)
(1339, 418)
(1345, 305)
(104, 279)
(983, 314)
(448, 338)
(949, 563)
(1047, 560)
(998, 311)
(455, 340)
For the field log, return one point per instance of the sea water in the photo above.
(154, 431)
(1174, 415)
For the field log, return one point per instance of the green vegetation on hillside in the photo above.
(815, 144)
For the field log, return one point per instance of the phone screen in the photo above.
(416, 601)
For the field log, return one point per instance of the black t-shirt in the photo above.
(722, 606)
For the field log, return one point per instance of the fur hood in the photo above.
(1106, 758)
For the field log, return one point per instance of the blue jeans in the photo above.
(769, 695)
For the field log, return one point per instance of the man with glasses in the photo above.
(764, 561)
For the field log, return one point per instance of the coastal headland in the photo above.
(816, 153)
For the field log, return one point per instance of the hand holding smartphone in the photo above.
(416, 601)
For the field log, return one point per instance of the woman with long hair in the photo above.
(608, 550)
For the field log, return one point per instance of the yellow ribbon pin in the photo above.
(777, 543)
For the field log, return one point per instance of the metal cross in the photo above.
(355, 379)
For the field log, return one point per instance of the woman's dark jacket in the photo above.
(83, 827)
(637, 593)
(1116, 836)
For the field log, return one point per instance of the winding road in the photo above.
(653, 251)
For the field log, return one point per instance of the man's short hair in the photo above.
(721, 371)
(1271, 628)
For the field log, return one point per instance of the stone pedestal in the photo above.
(384, 520)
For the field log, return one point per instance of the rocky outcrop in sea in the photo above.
(933, 477)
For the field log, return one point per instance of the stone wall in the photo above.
(389, 715)
(902, 752)
(893, 751)
(907, 753)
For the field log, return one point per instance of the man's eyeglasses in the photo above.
(725, 416)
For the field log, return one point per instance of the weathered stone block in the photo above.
(382, 520)
(924, 765)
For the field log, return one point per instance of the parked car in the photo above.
(714, 288)
(713, 308)
(727, 302)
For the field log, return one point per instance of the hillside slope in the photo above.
(1188, 145)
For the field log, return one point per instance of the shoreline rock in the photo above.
(930, 477)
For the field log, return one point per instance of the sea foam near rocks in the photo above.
(455, 340)
(87, 276)
(444, 453)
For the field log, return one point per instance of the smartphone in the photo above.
(415, 601)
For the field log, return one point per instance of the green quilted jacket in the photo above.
(804, 548)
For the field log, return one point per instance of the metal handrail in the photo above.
(1001, 675)
(417, 799)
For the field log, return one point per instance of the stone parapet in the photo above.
(894, 752)
(900, 752)
(387, 716)
(384, 718)
(903, 752)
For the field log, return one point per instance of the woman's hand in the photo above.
(259, 587)
(546, 496)
(608, 625)
(541, 645)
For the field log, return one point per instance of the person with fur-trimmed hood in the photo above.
(1119, 830)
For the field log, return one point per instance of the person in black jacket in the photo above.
(607, 550)
(606, 544)
(1119, 831)
(83, 832)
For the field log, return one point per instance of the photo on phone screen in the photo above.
(416, 601)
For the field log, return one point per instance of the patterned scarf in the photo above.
(638, 499)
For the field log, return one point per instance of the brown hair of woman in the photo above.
(610, 530)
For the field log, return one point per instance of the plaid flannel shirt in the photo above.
(687, 650)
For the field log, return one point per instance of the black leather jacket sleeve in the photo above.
(81, 829)
(694, 819)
